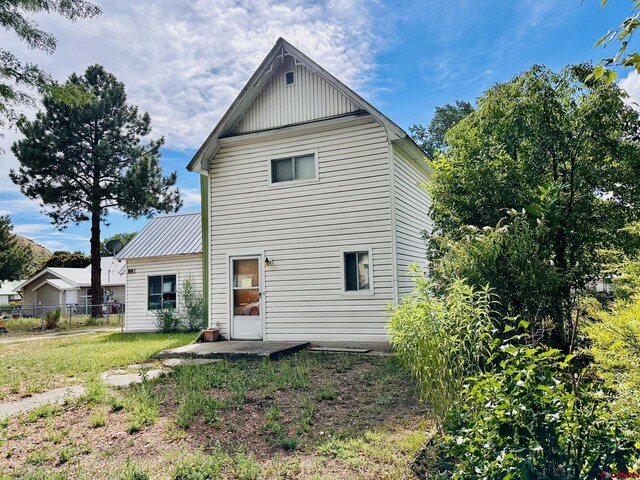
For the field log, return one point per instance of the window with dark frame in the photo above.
(289, 78)
(302, 167)
(356, 271)
(161, 292)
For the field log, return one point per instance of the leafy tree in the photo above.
(123, 237)
(622, 35)
(82, 161)
(14, 258)
(16, 75)
(560, 147)
(65, 259)
(432, 137)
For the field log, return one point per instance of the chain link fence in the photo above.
(46, 317)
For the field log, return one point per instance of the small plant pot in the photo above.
(210, 334)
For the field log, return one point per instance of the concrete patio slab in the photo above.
(234, 350)
(179, 362)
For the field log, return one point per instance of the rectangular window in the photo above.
(302, 167)
(289, 79)
(356, 271)
(162, 292)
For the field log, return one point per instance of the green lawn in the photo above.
(31, 367)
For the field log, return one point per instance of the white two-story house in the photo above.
(313, 207)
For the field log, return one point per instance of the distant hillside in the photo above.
(38, 252)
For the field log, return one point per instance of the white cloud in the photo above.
(190, 196)
(185, 62)
(631, 83)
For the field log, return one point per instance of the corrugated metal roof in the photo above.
(165, 236)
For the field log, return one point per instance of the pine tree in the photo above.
(84, 160)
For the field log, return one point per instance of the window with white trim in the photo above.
(161, 292)
(357, 272)
(301, 167)
(289, 78)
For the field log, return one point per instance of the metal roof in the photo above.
(165, 236)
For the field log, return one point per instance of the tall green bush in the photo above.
(533, 417)
(193, 314)
(513, 259)
(443, 339)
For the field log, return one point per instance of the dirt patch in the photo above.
(295, 418)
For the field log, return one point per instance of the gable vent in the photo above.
(289, 78)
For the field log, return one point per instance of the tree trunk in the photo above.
(96, 274)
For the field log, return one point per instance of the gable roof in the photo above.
(80, 277)
(165, 236)
(8, 287)
(257, 83)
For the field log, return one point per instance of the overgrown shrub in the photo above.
(52, 319)
(615, 346)
(167, 320)
(532, 417)
(514, 258)
(443, 340)
(193, 313)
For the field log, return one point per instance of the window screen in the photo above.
(162, 292)
(302, 167)
(356, 271)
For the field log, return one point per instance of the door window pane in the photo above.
(356, 271)
(246, 301)
(282, 170)
(246, 273)
(305, 167)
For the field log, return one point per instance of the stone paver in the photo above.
(25, 405)
(116, 379)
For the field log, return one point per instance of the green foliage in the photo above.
(14, 258)
(123, 237)
(557, 146)
(133, 471)
(142, 406)
(66, 260)
(515, 258)
(621, 35)
(615, 338)
(193, 306)
(167, 320)
(443, 340)
(52, 318)
(198, 466)
(432, 137)
(16, 76)
(82, 161)
(532, 417)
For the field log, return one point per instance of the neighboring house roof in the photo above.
(165, 236)
(255, 85)
(8, 288)
(71, 278)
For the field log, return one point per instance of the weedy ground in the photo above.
(308, 416)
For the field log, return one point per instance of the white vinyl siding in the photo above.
(304, 229)
(309, 98)
(137, 317)
(412, 206)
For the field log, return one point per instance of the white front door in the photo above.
(246, 298)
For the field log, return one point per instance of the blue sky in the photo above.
(184, 62)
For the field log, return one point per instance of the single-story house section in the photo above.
(7, 291)
(57, 286)
(313, 208)
(165, 253)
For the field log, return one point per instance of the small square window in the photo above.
(289, 79)
(356, 271)
(161, 292)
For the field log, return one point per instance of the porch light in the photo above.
(267, 262)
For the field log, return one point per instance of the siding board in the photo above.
(303, 228)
